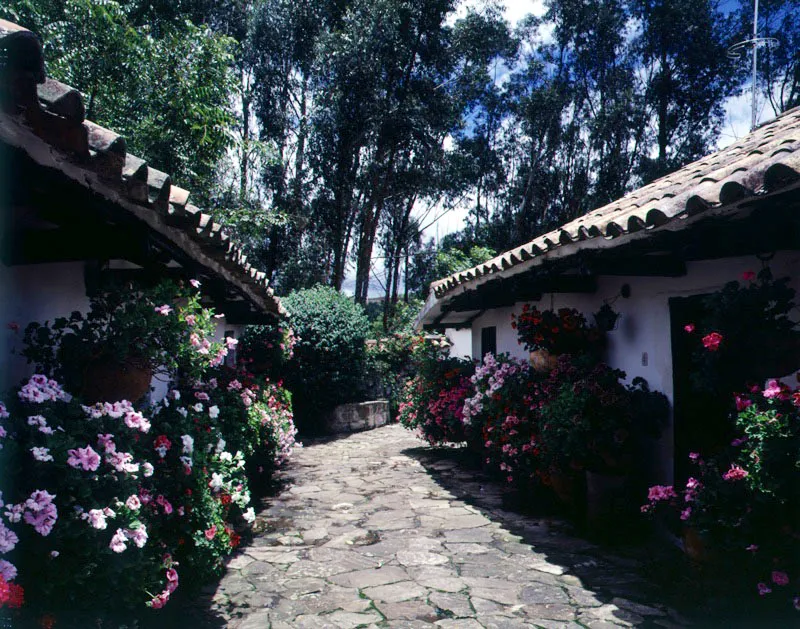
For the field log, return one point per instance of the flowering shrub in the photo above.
(562, 332)
(745, 501)
(433, 401)
(113, 501)
(391, 361)
(586, 417)
(267, 348)
(748, 334)
(500, 417)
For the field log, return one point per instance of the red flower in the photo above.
(689, 328)
(748, 276)
(711, 341)
(225, 499)
(210, 533)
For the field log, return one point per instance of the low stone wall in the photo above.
(355, 417)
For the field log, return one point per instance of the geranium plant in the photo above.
(563, 332)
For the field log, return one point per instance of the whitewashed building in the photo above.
(648, 255)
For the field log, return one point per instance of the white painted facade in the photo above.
(641, 345)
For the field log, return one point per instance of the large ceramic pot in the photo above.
(605, 498)
(543, 361)
(107, 379)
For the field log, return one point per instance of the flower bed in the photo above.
(124, 503)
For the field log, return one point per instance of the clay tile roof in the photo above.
(763, 162)
(45, 118)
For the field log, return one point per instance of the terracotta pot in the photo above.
(108, 380)
(543, 361)
(694, 545)
(605, 498)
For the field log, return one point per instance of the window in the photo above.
(488, 341)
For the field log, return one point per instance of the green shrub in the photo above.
(329, 365)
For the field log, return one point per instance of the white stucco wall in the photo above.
(645, 324)
(35, 292)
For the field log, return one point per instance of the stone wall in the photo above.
(355, 417)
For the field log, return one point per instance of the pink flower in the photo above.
(711, 341)
(138, 535)
(211, 532)
(7, 570)
(133, 503)
(689, 328)
(86, 458)
(773, 390)
(136, 421)
(118, 542)
(163, 310)
(742, 403)
(195, 283)
(749, 276)
(107, 443)
(159, 600)
(686, 513)
(191, 319)
(200, 395)
(752, 548)
(172, 575)
(763, 589)
(96, 518)
(660, 492)
(735, 473)
(694, 456)
(780, 578)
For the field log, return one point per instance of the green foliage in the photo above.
(390, 361)
(759, 338)
(153, 76)
(329, 356)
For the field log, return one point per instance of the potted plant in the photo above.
(547, 334)
(129, 334)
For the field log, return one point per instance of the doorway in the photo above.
(702, 421)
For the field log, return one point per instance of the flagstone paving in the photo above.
(374, 530)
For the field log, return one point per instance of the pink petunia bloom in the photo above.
(7, 570)
(96, 518)
(138, 535)
(712, 341)
(8, 539)
(163, 310)
(191, 320)
(735, 473)
(694, 456)
(133, 503)
(118, 542)
(660, 492)
(137, 421)
(686, 513)
(85, 458)
(773, 390)
(195, 283)
(106, 442)
(689, 328)
(780, 578)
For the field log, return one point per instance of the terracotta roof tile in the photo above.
(41, 113)
(765, 161)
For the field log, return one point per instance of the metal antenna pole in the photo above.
(735, 51)
(755, 65)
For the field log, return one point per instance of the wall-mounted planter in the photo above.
(356, 417)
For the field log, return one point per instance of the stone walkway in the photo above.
(375, 530)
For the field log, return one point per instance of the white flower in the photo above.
(147, 469)
(198, 407)
(188, 444)
(216, 481)
(249, 515)
(183, 412)
(41, 454)
(220, 445)
(213, 412)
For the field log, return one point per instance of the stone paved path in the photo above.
(375, 530)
